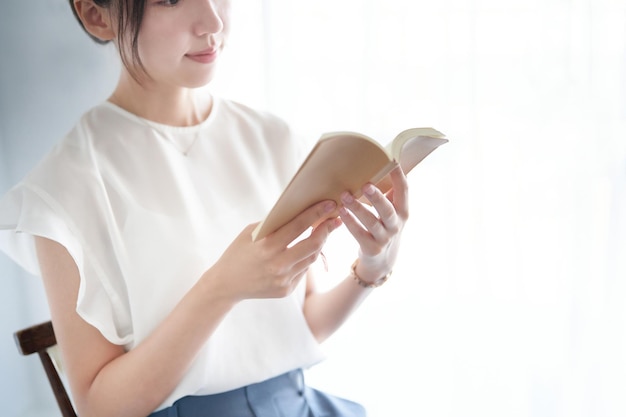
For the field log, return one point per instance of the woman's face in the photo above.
(180, 41)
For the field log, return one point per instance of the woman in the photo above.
(140, 222)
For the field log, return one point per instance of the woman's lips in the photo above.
(204, 57)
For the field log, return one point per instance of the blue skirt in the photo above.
(283, 396)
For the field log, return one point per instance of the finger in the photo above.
(288, 263)
(298, 225)
(384, 207)
(354, 226)
(368, 244)
(307, 249)
(367, 218)
(400, 192)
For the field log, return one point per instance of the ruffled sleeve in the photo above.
(71, 218)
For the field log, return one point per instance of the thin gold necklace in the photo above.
(182, 147)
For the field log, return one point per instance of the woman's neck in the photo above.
(174, 106)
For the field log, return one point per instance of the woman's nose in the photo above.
(207, 19)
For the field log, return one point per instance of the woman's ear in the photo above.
(95, 19)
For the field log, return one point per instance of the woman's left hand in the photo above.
(377, 231)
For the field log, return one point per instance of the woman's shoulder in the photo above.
(70, 162)
(104, 119)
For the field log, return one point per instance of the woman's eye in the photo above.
(169, 2)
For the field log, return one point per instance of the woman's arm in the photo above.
(326, 312)
(107, 381)
(378, 235)
(104, 380)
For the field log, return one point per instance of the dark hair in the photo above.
(130, 14)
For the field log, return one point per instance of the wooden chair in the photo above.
(38, 339)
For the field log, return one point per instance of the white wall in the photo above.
(49, 74)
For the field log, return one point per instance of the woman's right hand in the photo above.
(272, 267)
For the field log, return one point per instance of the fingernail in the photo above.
(347, 198)
(335, 223)
(369, 189)
(329, 206)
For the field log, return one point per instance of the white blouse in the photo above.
(144, 209)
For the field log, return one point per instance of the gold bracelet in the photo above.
(365, 284)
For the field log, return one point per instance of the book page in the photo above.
(409, 149)
(336, 164)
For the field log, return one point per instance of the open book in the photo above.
(343, 161)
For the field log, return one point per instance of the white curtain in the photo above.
(509, 297)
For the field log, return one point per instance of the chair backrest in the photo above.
(38, 339)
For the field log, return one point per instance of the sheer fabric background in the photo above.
(509, 295)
